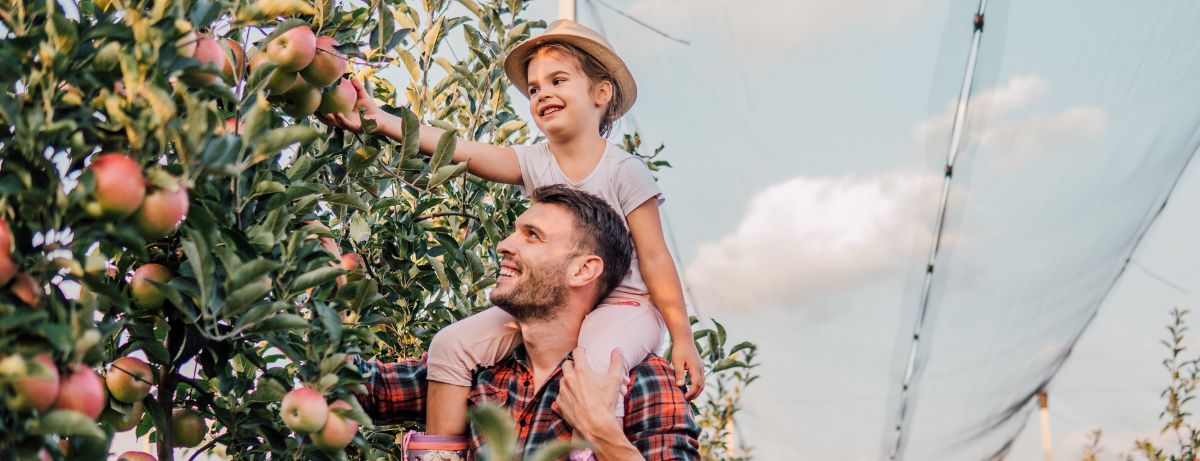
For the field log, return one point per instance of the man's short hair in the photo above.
(599, 230)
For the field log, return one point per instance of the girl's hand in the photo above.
(352, 122)
(686, 360)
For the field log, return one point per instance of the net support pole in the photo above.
(566, 9)
(1044, 409)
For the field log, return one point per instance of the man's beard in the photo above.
(539, 297)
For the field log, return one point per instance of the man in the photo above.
(552, 273)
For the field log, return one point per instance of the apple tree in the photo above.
(187, 254)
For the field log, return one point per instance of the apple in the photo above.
(327, 64)
(338, 432)
(161, 212)
(339, 100)
(124, 422)
(293, 50)
(352, 262)
(120, 186)
(81, 390)
(37, 385)
(8, 267)
(145, 294)
(300, 101)
(212, 60)
(187, 428)
(281, 81)
(129, 379)
(136, 456)
(27, 289)
(230, 126)
(304, 410)
(234, 69)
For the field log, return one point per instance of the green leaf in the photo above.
(444, 174)
(412, 135)
(267, 390)
(271, 142)
(316, 277)
(356, 413)
(284, 321)
(444, 152)
(360, 231)
(348, 200)
(246, 295)
(497, 428)
(68, 422)
(251, 271)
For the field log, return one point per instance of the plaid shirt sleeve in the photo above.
(658, 420)
(395, 391)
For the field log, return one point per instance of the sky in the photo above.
(808, 140)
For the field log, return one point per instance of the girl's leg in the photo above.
(633, 327)
(478, 340)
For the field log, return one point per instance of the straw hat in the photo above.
(588, 40)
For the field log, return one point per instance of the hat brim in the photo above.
(515, 68)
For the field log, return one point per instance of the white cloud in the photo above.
(999, 118)
(810, 238)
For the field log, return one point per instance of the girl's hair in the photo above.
(593, 69)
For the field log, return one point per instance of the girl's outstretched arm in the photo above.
(658, 269)
(493, 163)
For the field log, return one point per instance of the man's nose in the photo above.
(505, 246)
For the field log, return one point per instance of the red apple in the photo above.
(81, 390)
(339, 100)
(304, 410)
(6, 240)
(327, 64)
(145, 294)
(120, 186)
(136, 456)
(300, 101)
(280, 81)
(27, 289)
(188, 428)
(124, 422)
(8, 267)
(161, 212)
(338, 432)
(293, 50)
(352, 262)
(129, 379)
(212, 60)
(38, 387)
(235, 61)
(231, 126)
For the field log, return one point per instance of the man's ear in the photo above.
(584, 270)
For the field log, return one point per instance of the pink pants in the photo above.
(632, 326)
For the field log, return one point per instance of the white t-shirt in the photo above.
(620, 178)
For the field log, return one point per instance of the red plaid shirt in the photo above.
(658, 420)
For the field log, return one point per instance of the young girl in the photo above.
(578, 87)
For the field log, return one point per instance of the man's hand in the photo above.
(686, 361)
(352, 122)
(587, 398)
